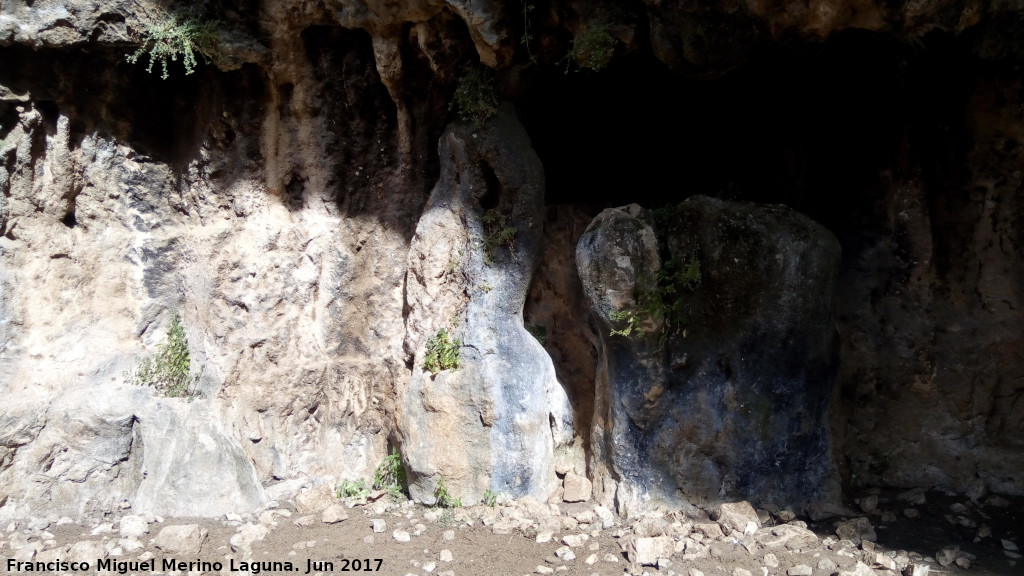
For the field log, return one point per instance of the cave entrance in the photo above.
(807, 125)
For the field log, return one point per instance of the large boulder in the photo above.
(719, 346)
(495, 421)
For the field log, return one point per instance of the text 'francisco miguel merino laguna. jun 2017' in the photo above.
(111, 565)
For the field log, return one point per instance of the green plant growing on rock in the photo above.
(442, 352)
(353, 489)
(476, 98)
(665, 301)
(169, 370)
(390, 475)
(443, 498)
(497, 232)
(593, 46)
(180, 34)
(490, 498)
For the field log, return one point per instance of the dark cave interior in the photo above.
(812, 126)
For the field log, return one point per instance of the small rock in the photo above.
(911, 513)
(856, 530)
(576, 488)
(884, 562)
(735, 516)
(1009, 545)
(368, 539)
(574, 540)
(709, 530)
(25, 554)
(650, 526)
(544, 570)
(860, 569)
(545, 536)
(448, 535)
(914, 496)
(133, 527)
(86, 551)
(646, 551)
(333, 514)
(916, 569)
(565, 553)
(694, 572)
(591, 559)
(378, 526)
(130, 545)
(868, 503)
(428, 566)
(606, 516)
(770, 560)
(401, 536)
(947, 555)
(741, 572)
(247, 534)
(800, 570)
(827, 565)
(445, 556)
(315, 498)
(305, 521)
(963, 562)
(186, 539)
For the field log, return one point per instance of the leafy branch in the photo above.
(180, 34)
(169, 370)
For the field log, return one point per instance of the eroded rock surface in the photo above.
(719, 374)
(495, 421)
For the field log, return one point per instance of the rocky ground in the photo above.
(912, 533)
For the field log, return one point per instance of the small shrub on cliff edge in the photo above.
(476, 99)
(444, 499)
(353, 489)
(442, 352)
(665, 300)
(490, 498)
(593, 46)
(180, 34)
(390, 475)
(497, 232)
(169, 370)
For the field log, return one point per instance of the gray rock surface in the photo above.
(496, 422)
(722, 384)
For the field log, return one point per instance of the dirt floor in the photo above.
(476, 550)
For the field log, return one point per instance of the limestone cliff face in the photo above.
(311, 205)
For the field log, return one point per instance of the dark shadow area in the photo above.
(938, 521)
(810, 125)
(164, 120)
(897, 149)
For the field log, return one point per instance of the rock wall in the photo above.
(718, 357)
(496, 421)
(309, 206)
